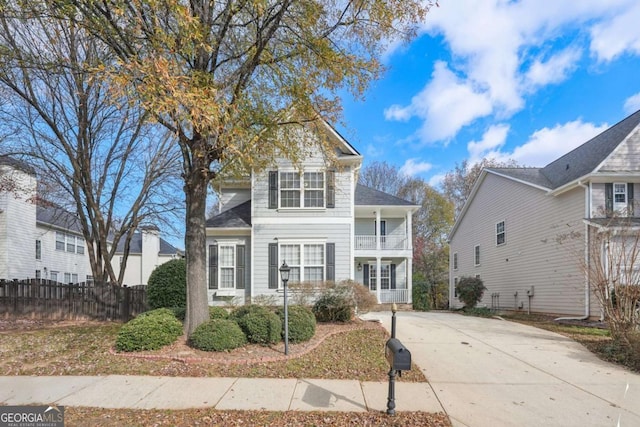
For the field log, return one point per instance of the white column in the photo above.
(378, 226)
(378, 268)
(409, 279)
(409, 231)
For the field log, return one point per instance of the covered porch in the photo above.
(389, 279)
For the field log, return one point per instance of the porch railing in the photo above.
(386, 242)
(399, 296)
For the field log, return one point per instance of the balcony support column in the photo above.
(378, 271)
(409, 231)
(378, 227)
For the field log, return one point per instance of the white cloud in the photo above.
(445, 105)
(413, 167)
(548, 144)
(554, 70)
(436, 180)
(632, 104)
(374, 151)
(618, 34)
(492, 140)
(503, 51)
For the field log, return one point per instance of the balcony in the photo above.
(368, 242)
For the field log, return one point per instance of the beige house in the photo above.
(525, 231)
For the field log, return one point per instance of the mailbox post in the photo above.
(399, 358)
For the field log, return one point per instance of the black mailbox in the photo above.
(397, 355)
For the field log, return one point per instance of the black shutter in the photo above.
(213, 267)
(273, 189)
(608, 202)
(630, 199)
(331, 188)
(331, 261)
(393, 276)
(240, 266)
(365, 272)
(273, 266)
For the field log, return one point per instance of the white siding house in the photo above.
(524, 231)
(41, 241)
(316, 218)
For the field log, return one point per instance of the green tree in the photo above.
(234, 80)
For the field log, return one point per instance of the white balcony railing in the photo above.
(386, 242)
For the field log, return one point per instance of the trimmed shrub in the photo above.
(217, 335)
(167, 286)
(333, 306)
(259, 324)
(179, 312)
(218, 313)
(421, 297)
(149, 331)
(470, 291)
(302, 323)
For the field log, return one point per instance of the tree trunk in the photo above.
(196, 181)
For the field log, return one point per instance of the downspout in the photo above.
(587, 293)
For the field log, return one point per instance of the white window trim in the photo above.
(220, 267)
(476, 255)
(504, 232)
(373, 268)
(302, 265)
(620, 206)
(302, 190)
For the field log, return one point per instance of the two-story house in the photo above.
(318, 220)
(41, 241)
(525, 231)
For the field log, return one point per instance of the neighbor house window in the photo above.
(619, 196)
(38, 274)
(79, 245)
(455, 287)
(302, 191)
(59, 241)
(476, 254)
(74, 278)
(54, 276)
(67, 277)
(71, 243)
(455, 260)
(306, 261)
(38, 249)
(500, 233)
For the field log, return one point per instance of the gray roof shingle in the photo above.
(366, 196)
(236, 217)
(532, 175)
(136, 246)
(58, 217)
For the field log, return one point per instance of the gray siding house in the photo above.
(316, 218)
(523, 231)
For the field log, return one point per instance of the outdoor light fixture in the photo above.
(359, 266)
(284, 275)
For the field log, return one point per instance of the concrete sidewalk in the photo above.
(142, 392)
(490, 372)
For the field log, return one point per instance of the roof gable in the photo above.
(236, 217)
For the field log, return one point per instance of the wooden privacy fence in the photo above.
(39, 298)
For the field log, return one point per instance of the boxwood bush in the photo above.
(259, 324)
(333, 306)
(167, 285)
(217, 335)
(302, 323)
(149, 331)
(470, 291)
(218, 313)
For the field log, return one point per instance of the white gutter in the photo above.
(587, 293)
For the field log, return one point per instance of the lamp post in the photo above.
(284, 275)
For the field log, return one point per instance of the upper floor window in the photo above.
(38, 249)
(476, 254)
(313, 189)
(306, 190)
(60, 241)
(455, 260)
(71, 243)
(79, 245)
(619, 196)
(500, 233)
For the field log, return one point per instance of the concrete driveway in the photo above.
(490, 372)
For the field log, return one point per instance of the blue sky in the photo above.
(526, 80)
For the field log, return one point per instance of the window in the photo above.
(38, 274)
(74, 278)
(306, 261)
(227, 255)
(500, 233)
(455, 287)
(71, 243)
(38, 249)
(455, 260)
(54, 276)
(307, 192)
(67, 277)
(80, 245)
(385, 276)
(476, 254)
(59, 241)
(89, 278)
(619, 196)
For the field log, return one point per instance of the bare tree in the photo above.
(106, 163)
(613, 271)
(383, 177)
